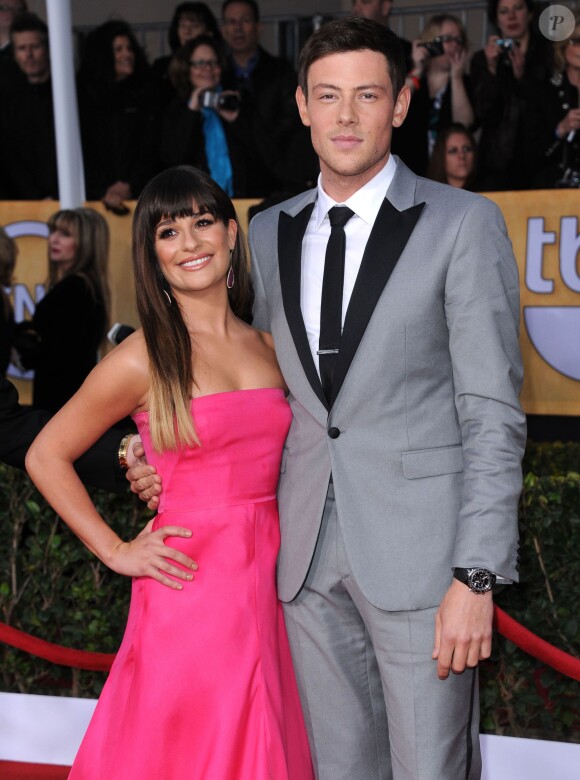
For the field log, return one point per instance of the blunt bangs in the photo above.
(174, 193)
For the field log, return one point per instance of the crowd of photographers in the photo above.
(505, 118)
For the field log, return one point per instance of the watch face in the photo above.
(480, 580)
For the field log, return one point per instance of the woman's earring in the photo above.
(168, 296)
(230, 279)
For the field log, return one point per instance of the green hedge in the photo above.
(520, 697)
(51, 587)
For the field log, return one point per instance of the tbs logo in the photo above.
(554, 330)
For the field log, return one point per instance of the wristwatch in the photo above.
(477, 580)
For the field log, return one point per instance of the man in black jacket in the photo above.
(19, 426)
(26, 121)
(266, 82)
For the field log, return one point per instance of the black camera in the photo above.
(434, 47)
(507, 44)
(215, 100)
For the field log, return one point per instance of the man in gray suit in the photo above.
(401, 472)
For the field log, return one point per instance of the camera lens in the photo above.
(229, 102)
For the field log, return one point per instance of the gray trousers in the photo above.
(373, 704)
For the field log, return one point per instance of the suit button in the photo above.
(334, 433)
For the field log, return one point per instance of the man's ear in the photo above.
(401, 106)
(302, 106)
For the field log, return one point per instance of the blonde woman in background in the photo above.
(70, 322)
(552, 119)
(440, 90)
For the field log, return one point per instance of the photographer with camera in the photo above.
(512, 65)
(441, 90)
(552, 119)
(212, 128)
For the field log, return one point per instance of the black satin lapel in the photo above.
(290, 234)
(388, 239)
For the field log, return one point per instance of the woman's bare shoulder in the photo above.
(130, 359)
(266, 338)
(132, 350)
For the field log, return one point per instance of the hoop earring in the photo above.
(168, 296)
(230, 279)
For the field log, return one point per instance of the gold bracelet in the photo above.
(122, 453)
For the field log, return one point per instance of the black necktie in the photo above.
(331, 303)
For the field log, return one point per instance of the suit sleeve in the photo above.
(482, 311)
(19, 426)
(261, 312)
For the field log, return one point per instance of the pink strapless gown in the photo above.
(203, 687)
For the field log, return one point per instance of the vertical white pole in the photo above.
(71, 178)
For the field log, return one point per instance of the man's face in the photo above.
(351, 112)
(377, 10)
(240, 29)
(31, 55)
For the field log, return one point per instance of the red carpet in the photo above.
(14, 770)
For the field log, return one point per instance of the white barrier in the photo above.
(48, 730)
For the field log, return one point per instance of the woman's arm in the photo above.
(461, 109)
(114, 389)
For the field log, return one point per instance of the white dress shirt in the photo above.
(365, 203)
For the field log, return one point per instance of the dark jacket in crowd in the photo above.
(61, 347)
(118, 135)
(19, 427)
(549, 156)
(499, 103)
(270, 93)
(28, 168)
(411, 140)
(183, 143)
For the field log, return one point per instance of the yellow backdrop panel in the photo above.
(543, 227)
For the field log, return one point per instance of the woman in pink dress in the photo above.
(202, 687)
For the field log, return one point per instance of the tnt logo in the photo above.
(554, 330)
(556, 22)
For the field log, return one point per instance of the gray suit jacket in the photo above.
(426, 467)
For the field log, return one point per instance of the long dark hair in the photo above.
(437, 164)
(179, 65)
(91, 234)
(198, 11)
(97, 70)
(169, 195)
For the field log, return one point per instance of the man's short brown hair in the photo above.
(354, 34)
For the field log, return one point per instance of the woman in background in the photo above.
(189, 20)
(513, 64)
(71, 321)
(552, 119)
(454, 158)
(8, 252)
(117, 115)
(202, 686)
(213, 129)
(442, 94)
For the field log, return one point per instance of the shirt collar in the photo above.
(245, 72)
(365, 202)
